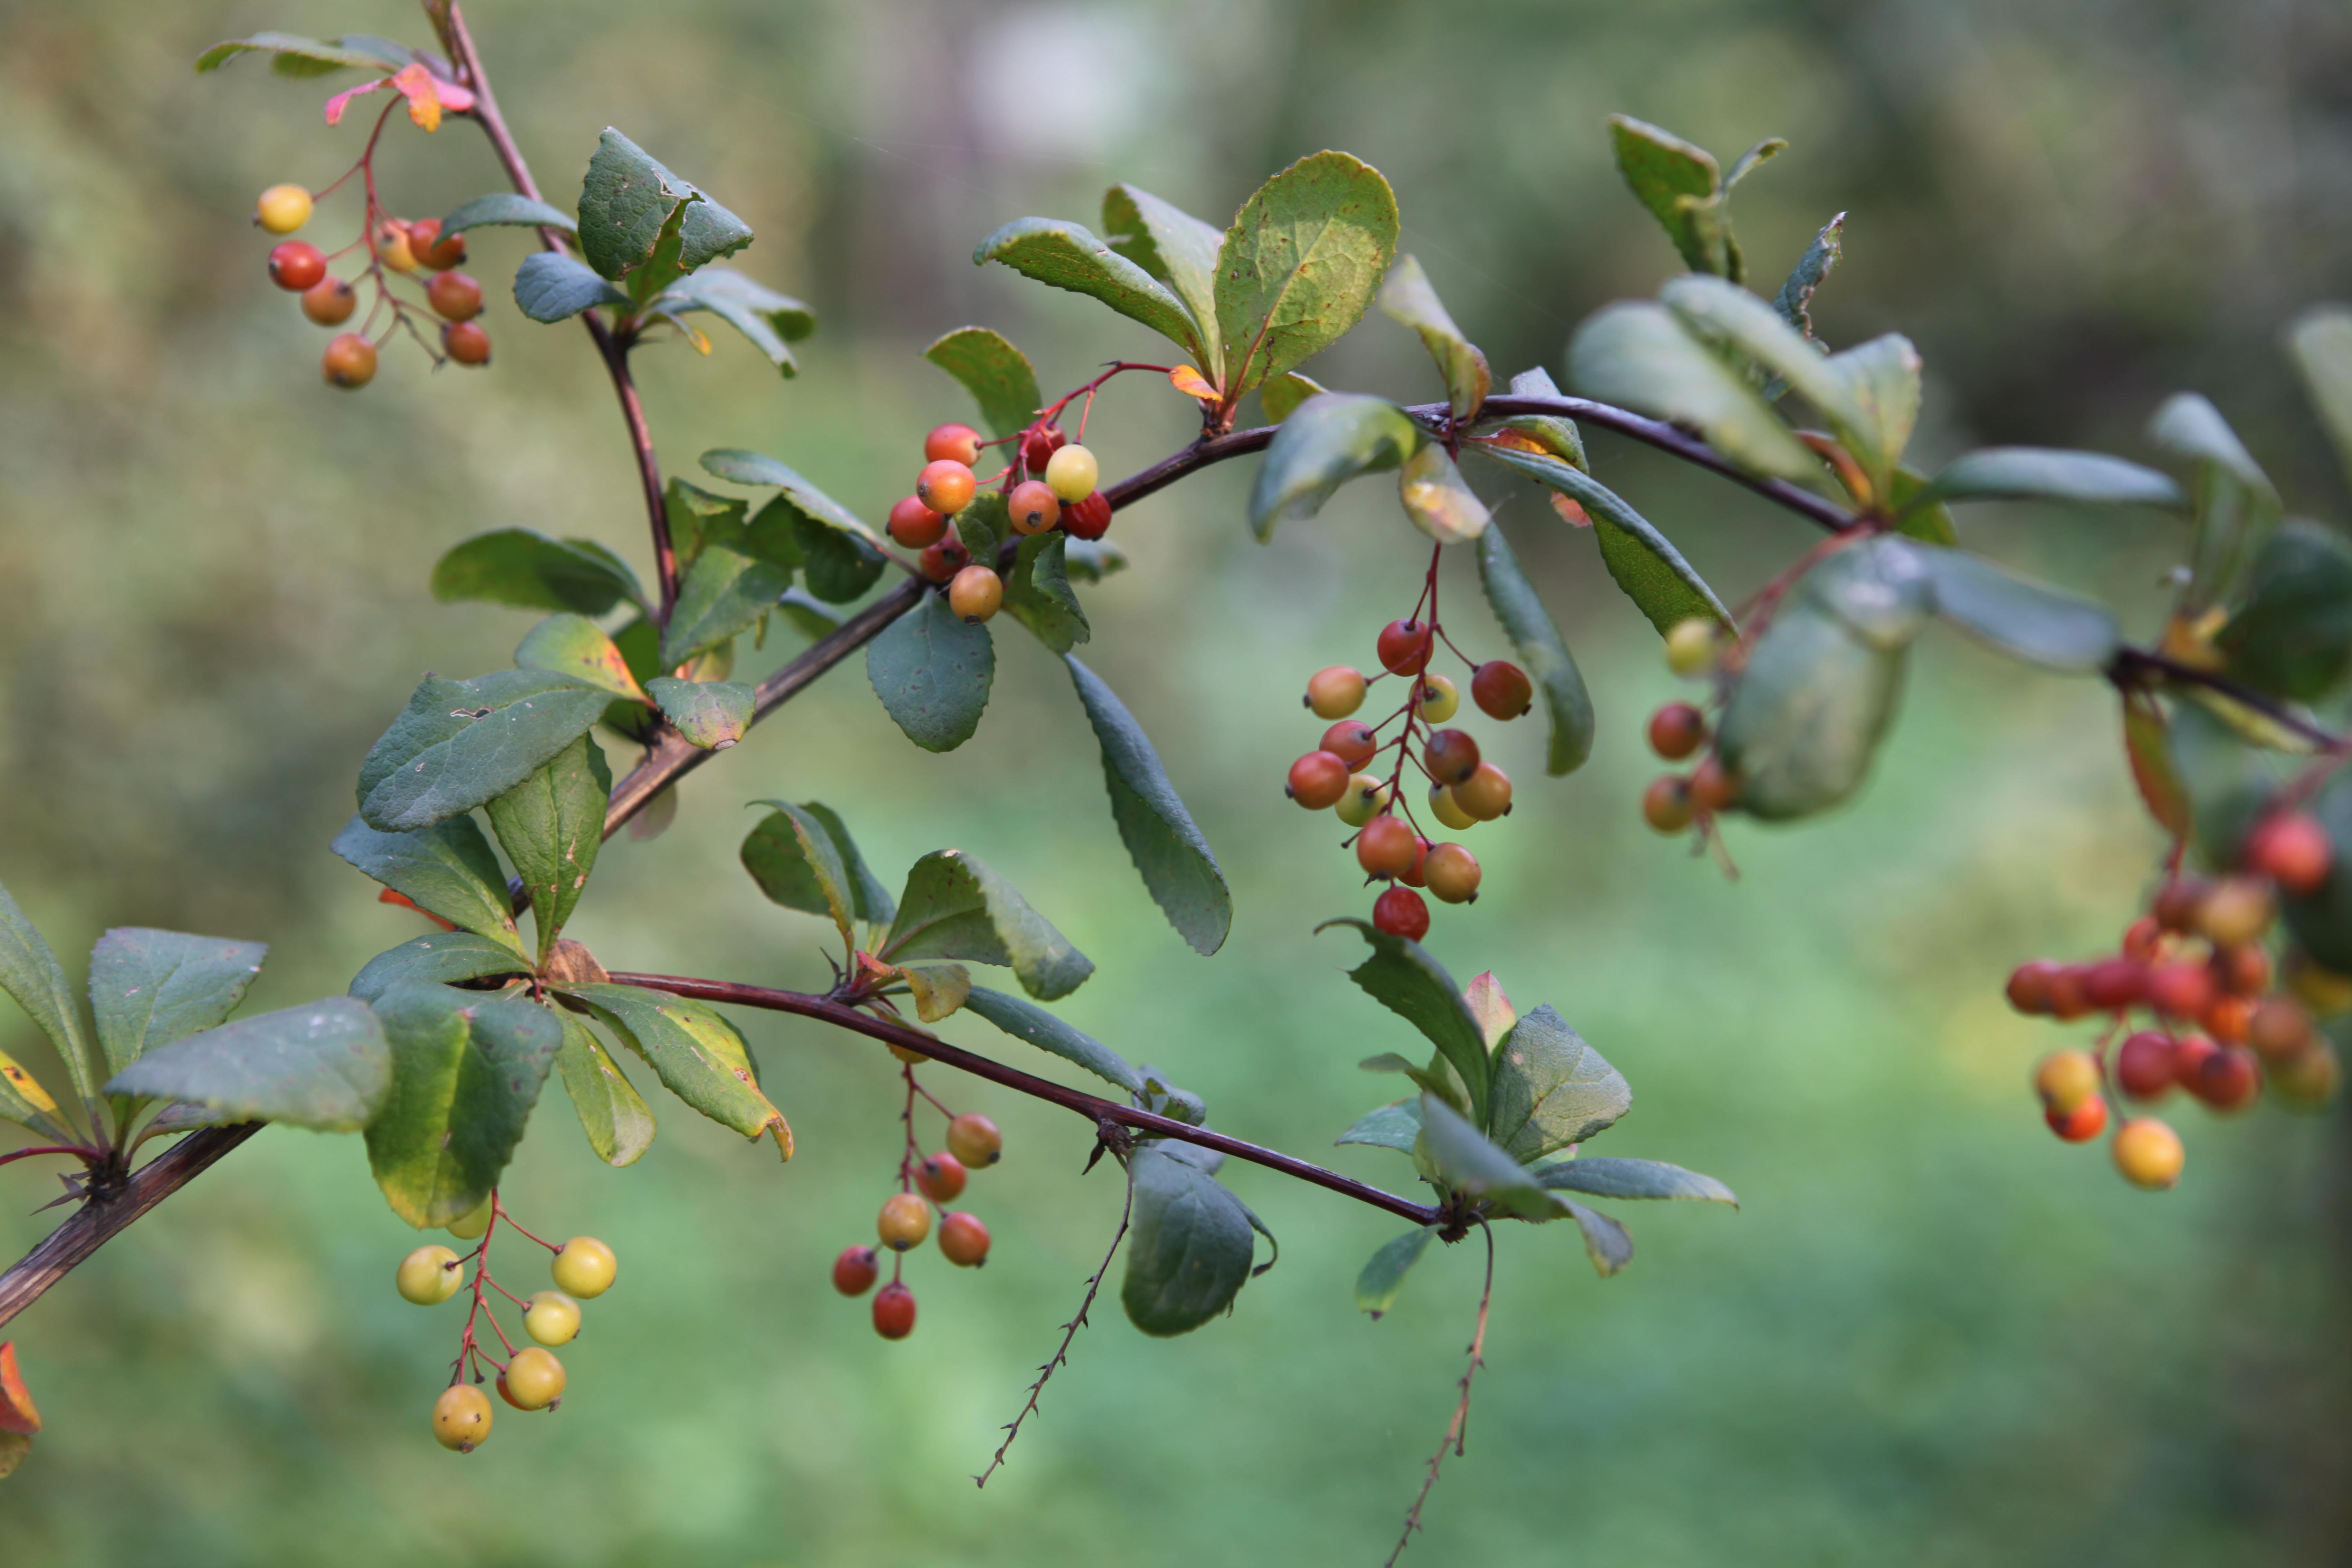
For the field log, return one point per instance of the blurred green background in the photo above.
(1933, 1334)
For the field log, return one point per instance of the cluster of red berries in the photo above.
(531, 1378)
(1673, 801)
(398, 245)
(905, 1223)
(2197, 962)
(1464, 789)
(1049, 484)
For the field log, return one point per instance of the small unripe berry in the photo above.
(1034, 507)
(961, 1235)
(2143, 1068)
(2280, 1028)
(1450, 756)
(428, 1275)
(1501, 689)
(2080, 1125)
(941, 1176)
(2177, 902)
(1447, 809)
(976, 594)
(295, 265)
(1676, 729)
(2238, 911)
(470, 1225)
(533, 1379)
(915, 525)
(952, 444)
(1038, 446)
(1071, 473)
(2147, 1153)
(1666, 804)
(2113, 985)
(1690, 646)
(1088, 517)
(466, 343)
(585, 1266)
(942, 560)
(454, 296)
(1335, 693)
(2180, 990)
(1436, 700)
(2029, 985)
(552, 1318)
(1485, 795)
(854, 1270)
(330, 302)
(349, 361)
(2322, 990)
(2066, 1079)
(1387, 848)
(1352, 740)
(904, 1222)
(1403, 645)
(2309, 1078)
(973, 1138)
(1452, 872)
(2291, 850)
(1400, 912)
(1712, 786)
(894, 1311)
(282, 209)
(461, 1417)
(1364, 798)
(426, 244)
(946, 486)
(392, 245)
(2227, 1080)
(1318, 781)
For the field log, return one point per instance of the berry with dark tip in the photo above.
(1501, 689)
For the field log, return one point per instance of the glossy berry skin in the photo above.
(2291, 850)
(426, 244)
(1501, 689)
(349, 361)
(963, 1237)
(1712, 787)
(1453, 873)
(1088, 518)
(1485, 795)
(454, 296)
(2144, 1069)
(1364, 798)
(905, 1221)
(471, 1226)
(1437, 700)
(584, 1267)
(2115, 984)
(295, 265)
(1352, 740)
(1448, 810)
(1690, 646)
(2148, 1153)
(552, 1318)
(1450, 756)
(1335, 693)
(854, 1270)
(2066, 1080)
(282, 209)
(2280, 1028)
(1403, 645)
(1676, 731)
(1387, 848)
(915, 525)
(1034, 507)
(392, 245)
(1318, 780)
(428, 1275)
(461, 1417)
(2080, 1125)
(2180, 990)
(941, 1176)
(2029, 987)
(466, 343)
(1072, 473)
(330, 302)
(894, 1311)
(2227, 1080)
(973, 1138)
(976, 594)
(1666, 804)
(1038, 446)
(946, 486)
(952, 444)
(1400, 912)
(1414, 874)
(942, 560)
(533, 1379)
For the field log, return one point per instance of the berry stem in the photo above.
(1454, 1428)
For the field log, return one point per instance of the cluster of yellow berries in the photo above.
(533, 1378)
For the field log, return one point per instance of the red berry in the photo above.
(942, 560)
(1352, 740)
(1502, 690)
(2180, 990)
(2080, 1125)
(2029, 987)
(941, 1177)
(1088, 519)
(2242, 971)
(1318, 780)
(2226, 1080)
(1416, 875)
(915, 525)
(1712, 787)
(1675, 729)
(894, 1311)
(953, 444)
(2143, 1068)
(1450, 756)
(1666, 804)
(2114, 983)
(426, 244)
(1404, 646)
(295, 265)
(349, 361)
(2141, 938)
(964, 1239)
(2189, 1054)
(454, 296)
(1038, 446)
(854, 1270)
(946, 486)
(1400, 912)
(1033, 505)
(2291, 850)
(466, 343)
(1386, 848)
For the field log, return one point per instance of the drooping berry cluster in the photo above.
(1674, 803)
(1049, 484)
(531, 1378)
(973, 1143)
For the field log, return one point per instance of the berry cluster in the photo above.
(1675, 802)
(1342, 774)
(905, 1223)
(1049, 484)
(530, 1378)
(2199, 965)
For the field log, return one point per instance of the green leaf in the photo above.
(1027, 1021)
(1680, 183)
(442, 956)
(2190, 428)
(954, 906)
(996, 373)
(841, 566)
(940, 990)
(148, 988)
(550, 826)
(1402, 977)
(448, 869)
(1092, 560)
(1436, 1079)
(530, 570)
(1281, 396)
(984, 526)
(1555, 434)
(552, 287)
(2293, 637)
(1930, 523)
(1472, 1165)
(2041, 625)
(463, 743)
(577, 647)
(696, 1053)
(629, 200)
(1299, 265)
(1190, 1246)
(325, 1066)
(1038, 595)
(29, 973)
(1551, 1089)
(2236, 505)
(1174, 248)
(932, 671)
(466, 1071)
(2321, 338)
(1536, 639)
(774, 856)
(1394, 1126)
(24, 1101)
(301, 56)
(768, 321)
(2148, 746)
(1383, 1276)
(723, 592)
(1808, 713)
(1330, 440)
(700, 519)
(1879, 588)
(811, 619)
(1605, 1241)
(506, 207)
(1605, 1178)
(1178, 867)
(1652, 571)
(1795, 300)
(615, 1116)
(1066, 255)
(817, 514)
(1409, 297)
(1639, 355)
(2229, 783)
(1435, 496)
(711, 714)
(2042, 473)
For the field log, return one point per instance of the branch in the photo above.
(1453, 1438)
(2133, 667)
(1094, 1107)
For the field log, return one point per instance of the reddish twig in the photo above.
(1454, 1428)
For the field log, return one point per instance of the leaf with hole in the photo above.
(954, 906)
(1178, 867)
(326, 1066)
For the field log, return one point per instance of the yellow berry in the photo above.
(585, 1266)
(552, 1318)
(973, 1138)
(392, 245)
(905, 1221)
(1335, 693)
(976, 594)
(429, 1276)
(1071, 473)
(2148, 1151)
(1690, 647)
(2065, 1079)
(282, 209)
(2237, 911)
(533, 1379)
(461, 1417)
(1437, 699)
(470, 1226)
(1366, 798)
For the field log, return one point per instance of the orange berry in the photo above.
(1318, 781)
(2080, 1125)
(349, 361)
(1033, 505)
(973, 1138)
(976, 594)
(952, 444)
(454, 296)
(330, 302)
(1452, 872)
(2148, 1151)
(915, 525)
(466, 343)
(964, 1239)
(1387, 848)
(941, 1176)
(2066, 1080)
(946, 486)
